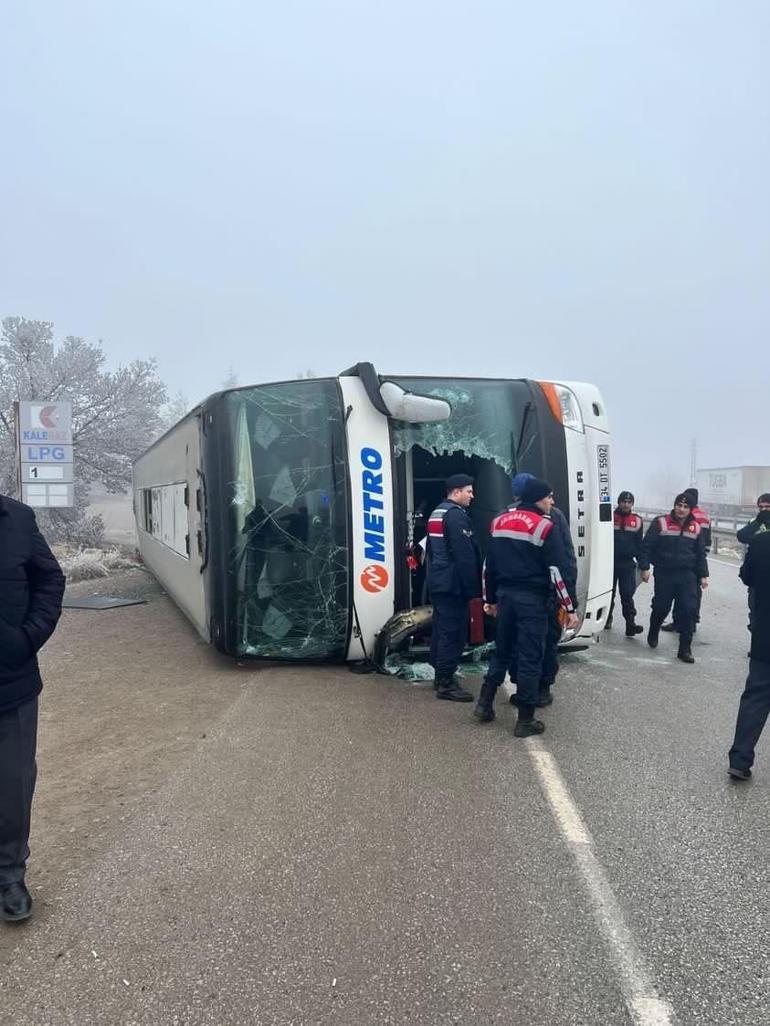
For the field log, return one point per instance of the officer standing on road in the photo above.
(30, 606)
(629, 531)
(555, 611)
(704, 520)
(755, 700)
(674, 544)
(523, 561)
(759, 525)
(454, 578)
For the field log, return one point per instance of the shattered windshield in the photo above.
(487, 421)
(288, 520)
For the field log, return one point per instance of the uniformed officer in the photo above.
(629, 532)
(675, 545)
(555, 622)
(759, 525)
(755, 701)
(704, 520)
(454, 578)
(522, 563)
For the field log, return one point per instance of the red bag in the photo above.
(476, 621)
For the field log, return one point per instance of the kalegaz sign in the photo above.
(45, 455)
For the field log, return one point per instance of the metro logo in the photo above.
(374, 578)
(374, 522)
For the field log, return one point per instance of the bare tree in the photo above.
(231, 381)
(115, 414)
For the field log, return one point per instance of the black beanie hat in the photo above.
(458, 481)
(684, 497)
(692, 494)
(626, 496)
(535, 490)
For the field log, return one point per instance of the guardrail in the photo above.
(726, 527)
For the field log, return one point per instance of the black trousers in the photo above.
(679, 587)
(624, 579)
(550, 655)
(753, 711)
(698, 600)
(522, 626)
(18, 772)
(449, 633)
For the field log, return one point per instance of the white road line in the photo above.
(644, 1004)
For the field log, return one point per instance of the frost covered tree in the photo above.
(115, 414)
(173, 411)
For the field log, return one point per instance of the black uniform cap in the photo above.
(626, 497)
(684, 497)
(535, 490)
(458, 481)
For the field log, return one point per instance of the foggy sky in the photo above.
(577, 191)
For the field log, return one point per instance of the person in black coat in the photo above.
(629, 531)
(754, 706)
(555, 629)
(454, 578)
(30, 606)
(758, 525)
(674, 544)
(523, 565)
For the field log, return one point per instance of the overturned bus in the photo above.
(280, 517)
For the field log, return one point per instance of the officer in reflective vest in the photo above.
(554, 632)
(704, 522)
(521, 568)
(675, 545)
(454, 578)
(629, 531)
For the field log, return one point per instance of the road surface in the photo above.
(217, 844)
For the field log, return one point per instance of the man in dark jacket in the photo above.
(704, 522)
(759, 525)
(555, 609)
(454, 578)
(629, 531)
(674, 545)
(30, 605)
(755, 700)
(523, 563)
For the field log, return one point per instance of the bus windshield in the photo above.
(288, 521)
(491, 435)
(486, 422)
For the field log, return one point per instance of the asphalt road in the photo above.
(307, 846)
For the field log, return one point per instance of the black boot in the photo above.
(670, 628)
(485, 707)
(545, 697)
(684, 653)
(633, 628)
(449, 689)
(653, 634)
(527, 725)
(15, 903)
(437, 677)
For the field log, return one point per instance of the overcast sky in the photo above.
(562, 190)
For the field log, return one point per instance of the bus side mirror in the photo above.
(413, 408)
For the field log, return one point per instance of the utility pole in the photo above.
(693, 460)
